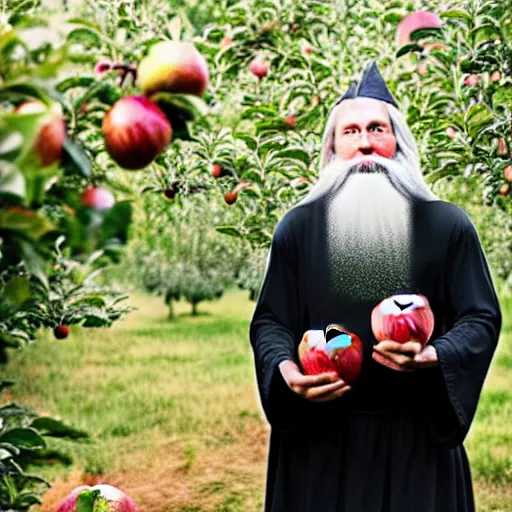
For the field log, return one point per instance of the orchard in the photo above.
(153, 149)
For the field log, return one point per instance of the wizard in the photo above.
(368, 229)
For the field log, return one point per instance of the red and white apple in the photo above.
(337, 351)
(98, 198)
(415, 21)
(136, 131)
(403, 318)
(173, 66)
(51, 136)
(117, 500)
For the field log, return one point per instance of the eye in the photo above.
(350, 131)
(379, 128)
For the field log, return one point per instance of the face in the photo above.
(363, 127)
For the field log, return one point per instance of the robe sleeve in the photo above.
(275, 324)
(465, 351)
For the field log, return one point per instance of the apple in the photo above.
(315, 100)
(306, 48)
(337, 351)
(259, 66)
(496, 77)
(471, 80)
(423, 67)
(170, 193)
(61, 332)
(403, 318)
(298, 181)
(98, 197)
(450, 132)
(502, 147)
(173, 66)
(508, 173)
(226, 42)
(290, 121)
(504, 189)
(117, 500)
(136, 131)
(217, 170)
(52, 134)
(415, 21)
(103, 66)
(230, 197)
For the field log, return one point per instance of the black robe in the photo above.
(394, 442)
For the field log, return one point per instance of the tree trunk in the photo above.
(170, 316)
(194, 308)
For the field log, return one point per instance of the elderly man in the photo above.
(368, 229)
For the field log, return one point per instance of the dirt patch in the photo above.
(180, 475)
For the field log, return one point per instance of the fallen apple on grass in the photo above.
(109, 496)
(403, 318)
(338, 350)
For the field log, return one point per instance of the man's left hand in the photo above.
(405, 357)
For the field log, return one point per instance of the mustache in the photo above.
(368, 167)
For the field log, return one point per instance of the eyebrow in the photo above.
(371, 123)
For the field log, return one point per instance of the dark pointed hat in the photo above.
(371, 85)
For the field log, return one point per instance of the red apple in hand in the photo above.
(403, 318)
(117, 500)
(338, 351)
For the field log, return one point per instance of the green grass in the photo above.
(174, 416)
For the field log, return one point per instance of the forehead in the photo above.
(362, 111)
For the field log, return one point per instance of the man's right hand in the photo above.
(317, 388)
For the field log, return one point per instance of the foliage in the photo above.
(22, 443)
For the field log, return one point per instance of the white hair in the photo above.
(403, 169)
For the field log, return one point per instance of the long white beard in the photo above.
(369, 236)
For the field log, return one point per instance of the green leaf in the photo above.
(248, 113)
(502, 97)
(75, 158)
(477, 118)
(27, 221)
(251, 142)
(12, 409)
(75, 81)
(85, 33)
(24, 90)
(229, 230)
(393, 16)
(86, 500)
(459, 14)
(183, 106)
(5, 454)
(23, 437)
(449, 170)
(36, 265)
(15, 293)
(408, 48)
(422, 33)
(295, 154)
(54, 428)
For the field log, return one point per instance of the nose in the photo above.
(365, 146)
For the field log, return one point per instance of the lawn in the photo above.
(174, 416)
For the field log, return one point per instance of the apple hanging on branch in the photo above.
(171, 78)
(337, 350)
(51, 136)
(403, 318)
